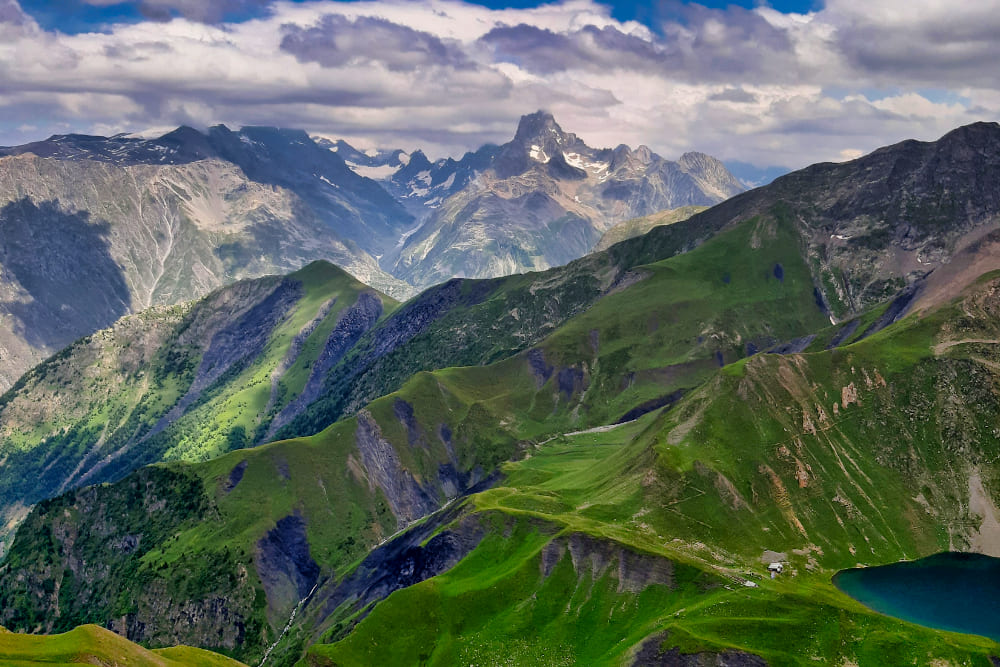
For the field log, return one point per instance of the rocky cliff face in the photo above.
(92, 229)
(544, 199)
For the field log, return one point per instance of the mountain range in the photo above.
(593, 463)
(542, 200)
(93, 228)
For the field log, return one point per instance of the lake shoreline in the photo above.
(950, 591)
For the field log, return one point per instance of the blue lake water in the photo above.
(947, 591)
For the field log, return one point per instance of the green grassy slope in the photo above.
(638, 226)
(904, 466)
(734, 469)
(745, 290)
(93, 645)
(409, 452)
(93, 411)
(170, 384)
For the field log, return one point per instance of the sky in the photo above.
(788, 83)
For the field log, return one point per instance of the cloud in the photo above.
(336, 41)
(545, 51)
(925, 41)
(11, 14)
(756, 85)
(206, 11)
(702, 45)
(735, 95)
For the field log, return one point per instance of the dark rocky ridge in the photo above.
(414, 556)
(870, 226)
(284, 565)
(653, 654)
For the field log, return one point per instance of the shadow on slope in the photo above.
(70, 284)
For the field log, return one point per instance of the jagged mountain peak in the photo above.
(696, 159)
(535, 126)
(538, 139)
(542, 180)
(644, 154)
(418, 160)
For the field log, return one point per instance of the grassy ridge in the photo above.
(861, 454)
(125, 397)
(450, 428)
(508, 601)
(91, 644)
(745, 290)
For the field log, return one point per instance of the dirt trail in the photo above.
(598, 429)
(942, 347)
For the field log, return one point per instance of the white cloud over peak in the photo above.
(754, 85)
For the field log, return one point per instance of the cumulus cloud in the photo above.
(11, 14)
(545, 51)
(926, 41)
(336, 41)
(756, 85)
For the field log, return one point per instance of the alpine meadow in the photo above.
(706, 372)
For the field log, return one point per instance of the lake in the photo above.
(947, 591)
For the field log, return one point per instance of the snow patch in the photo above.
(578, 161)
(377, 173)
(404, 159)
(538, 154)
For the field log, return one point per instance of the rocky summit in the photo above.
(541, 200)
